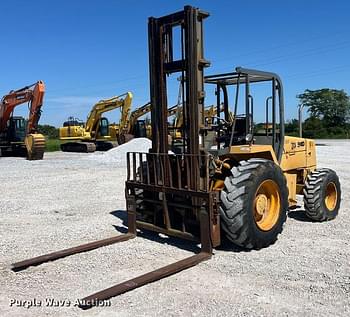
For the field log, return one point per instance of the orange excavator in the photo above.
(20, 137)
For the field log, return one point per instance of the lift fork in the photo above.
(165, 271)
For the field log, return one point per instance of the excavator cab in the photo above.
(104, 127)
(140, 129)
(16, 130)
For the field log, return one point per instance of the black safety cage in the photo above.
(246, 77)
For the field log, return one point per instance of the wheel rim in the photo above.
(331, 196)
(267, 205)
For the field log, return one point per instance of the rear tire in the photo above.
(322, 195)
(254, 203)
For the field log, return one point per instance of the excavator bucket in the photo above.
(35, 144)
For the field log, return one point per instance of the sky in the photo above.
(88, 50)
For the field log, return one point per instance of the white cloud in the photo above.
(70, 102)
(56, 110)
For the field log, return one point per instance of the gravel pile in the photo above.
(117, 155)
(66, 200)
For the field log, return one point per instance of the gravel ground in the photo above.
(68, 199)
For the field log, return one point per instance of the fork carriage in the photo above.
(163, 197)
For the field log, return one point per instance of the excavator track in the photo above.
(105, 145)
(79, 147)
(35, 144)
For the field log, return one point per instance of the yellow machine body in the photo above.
(75, 132)
(297, 161)
(210, 113)
(79, 133)
(114, 131)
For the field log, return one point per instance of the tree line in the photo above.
(49, 131)
(329, 114)
(328, 109)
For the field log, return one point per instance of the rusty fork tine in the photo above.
(18, 266)
(165, 271)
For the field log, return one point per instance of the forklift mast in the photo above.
(162, 64)
(191, 65)
(170, 192)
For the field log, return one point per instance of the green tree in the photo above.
(291, 127)
(48, 130)
(314, 128)
(332, 106)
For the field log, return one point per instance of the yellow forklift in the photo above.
(240, 189)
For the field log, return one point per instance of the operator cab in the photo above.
(140, 129)
(16, 129)
(238, 124)
(103, 129)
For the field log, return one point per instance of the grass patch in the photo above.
(52, 145)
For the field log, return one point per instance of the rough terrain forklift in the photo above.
(244, 184)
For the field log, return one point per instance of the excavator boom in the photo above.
(129, 131)
(35, 107)
(123, 102)
(139, 112)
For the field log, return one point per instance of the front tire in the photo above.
(322, 195)
(254, 203)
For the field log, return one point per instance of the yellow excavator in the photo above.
(97, 133)
(136, 128)
(210, 115)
